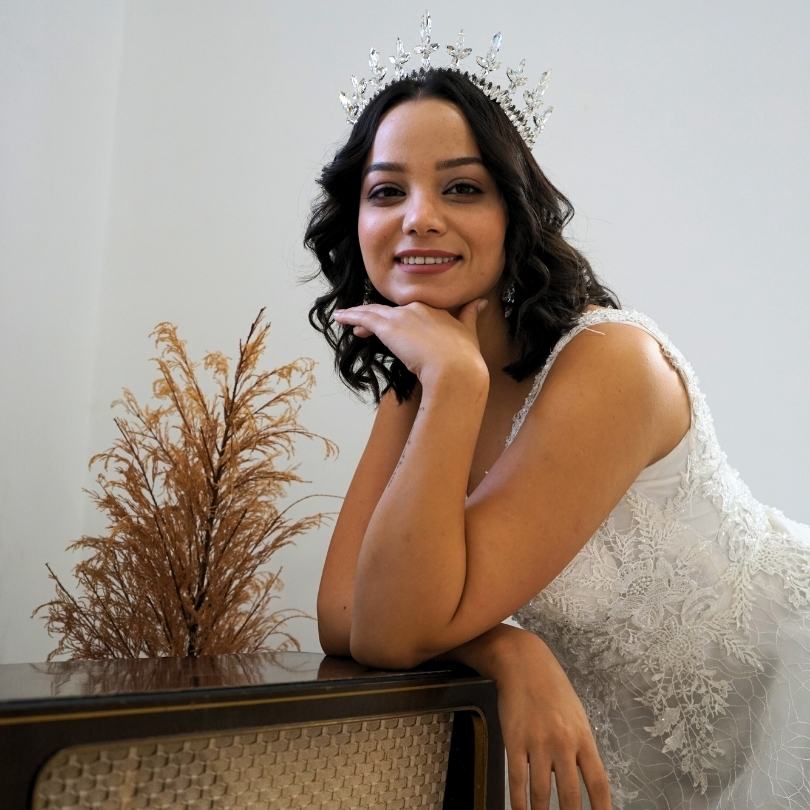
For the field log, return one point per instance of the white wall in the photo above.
(58, 91)
(158, 162)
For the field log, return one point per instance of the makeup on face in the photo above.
(432, 221)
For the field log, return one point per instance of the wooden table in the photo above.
(269, 730)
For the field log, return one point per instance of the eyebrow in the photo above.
(440, 165)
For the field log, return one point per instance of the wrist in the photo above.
(523, 652)
(510, 645)
(469, 380)
(498, 652)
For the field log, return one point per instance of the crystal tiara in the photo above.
(528, 121)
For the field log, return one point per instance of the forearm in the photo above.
(494, 654)
(411, 567)
(497, 652)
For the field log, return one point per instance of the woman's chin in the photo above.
(450, 303)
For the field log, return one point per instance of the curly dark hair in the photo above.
(553, 282)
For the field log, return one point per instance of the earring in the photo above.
(508, 299)
(367, 288)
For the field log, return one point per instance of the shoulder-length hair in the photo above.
(553, 282)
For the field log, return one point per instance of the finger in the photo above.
(540, 784)
(367, 317)
(595, 778)
(518, 779)
(469, 314)
(567, 777)
(361, 332)
(372, 309)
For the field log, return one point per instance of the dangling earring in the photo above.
(508, 299)
(367, 291)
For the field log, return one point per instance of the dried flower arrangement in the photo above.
(190, 489)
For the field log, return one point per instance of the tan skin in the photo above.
(400, 584)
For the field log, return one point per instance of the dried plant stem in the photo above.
(190, 489)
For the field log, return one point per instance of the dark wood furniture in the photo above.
(258, 731)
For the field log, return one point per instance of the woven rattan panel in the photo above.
(399, 762)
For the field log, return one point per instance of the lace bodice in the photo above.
(683, 625)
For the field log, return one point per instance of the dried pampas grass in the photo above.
(191, 491)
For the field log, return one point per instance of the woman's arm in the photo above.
(542, 719)
(390, 431)
(544, 724)
(433, 571)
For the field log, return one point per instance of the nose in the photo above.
(422, 215)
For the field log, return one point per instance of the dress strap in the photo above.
(629, 316)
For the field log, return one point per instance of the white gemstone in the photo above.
(529, 121)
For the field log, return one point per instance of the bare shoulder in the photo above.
(622, 366)
(610, 406)
(625, 346)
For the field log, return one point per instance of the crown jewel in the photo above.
(528, 121)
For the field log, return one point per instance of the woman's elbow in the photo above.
(383, 653)
(332, 645)
(333, 630)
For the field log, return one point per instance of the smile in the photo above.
(424, 265)
(426, 259)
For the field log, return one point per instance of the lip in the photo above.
(426, 269)
(439, 254)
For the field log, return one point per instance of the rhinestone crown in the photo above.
(529, 121)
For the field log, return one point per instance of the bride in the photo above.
(541, 453)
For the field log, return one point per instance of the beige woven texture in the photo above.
(386, 764)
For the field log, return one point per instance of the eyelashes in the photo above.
(380, 192)
(460, 189)
(471, 188)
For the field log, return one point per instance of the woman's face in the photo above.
(432, 221)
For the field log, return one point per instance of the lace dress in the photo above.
(684, 626)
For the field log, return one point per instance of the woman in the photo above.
(538, 451)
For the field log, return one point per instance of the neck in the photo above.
(497, 348)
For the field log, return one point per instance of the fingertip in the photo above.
(470, 311)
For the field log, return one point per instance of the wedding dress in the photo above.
(684, 627)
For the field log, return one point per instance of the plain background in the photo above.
(158, 161)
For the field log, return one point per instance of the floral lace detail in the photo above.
(658, 618)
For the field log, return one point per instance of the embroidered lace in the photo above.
(684, 626)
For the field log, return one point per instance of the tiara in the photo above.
(529, 121)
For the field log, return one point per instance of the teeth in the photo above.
(426, 259)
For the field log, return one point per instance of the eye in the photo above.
(382, 192)
(464, 189)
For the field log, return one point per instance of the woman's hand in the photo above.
(544, 726)
(429, 342)
(545, 729)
